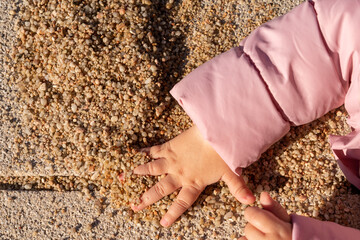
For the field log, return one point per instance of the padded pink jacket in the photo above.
(290, 71)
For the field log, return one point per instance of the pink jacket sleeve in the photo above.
(289, 71)
(312, 229)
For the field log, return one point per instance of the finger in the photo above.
(145, 150)
(185, 199)
(272, 206)
(238, 188)
(156, 167)
(155, 151)
(262, 219)
(252, 233)
(163, 188)
(243, 238)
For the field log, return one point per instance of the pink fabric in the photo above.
(295, 64)
(308, 83)
(343, 39)
(232, 108)
(293, 69)
(305, 228)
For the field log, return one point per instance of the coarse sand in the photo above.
(50, 187)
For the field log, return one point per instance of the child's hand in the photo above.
(270, 223)
(190, 164)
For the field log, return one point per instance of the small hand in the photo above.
(270, 223)
(190, 163)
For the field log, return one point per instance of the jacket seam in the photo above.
(312, 3)
(275, 102)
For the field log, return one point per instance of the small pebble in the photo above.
(228, 215)
(74, 108)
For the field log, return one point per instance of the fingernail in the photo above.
(248, 198)
(164, 222)
(121, 177)
(145, 150)
(134, 207)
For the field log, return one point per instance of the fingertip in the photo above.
(265, 198)
(165, 222)
(249, 198)
(133, 207)
(246, 198)
(137, 208)
(238, 188)
(138, 204)
(139, 170)
(248, 212)
(269, 204)
(252, 213)
(136, 170)
(145, 150)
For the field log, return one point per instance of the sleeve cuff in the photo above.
(231, 106)
(347, 152)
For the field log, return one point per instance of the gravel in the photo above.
(12, 128)
(86, 84)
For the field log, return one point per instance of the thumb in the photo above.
(238, 188)
(274, 207)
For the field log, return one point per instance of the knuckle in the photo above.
(182, 204)
(163, 148)
(153, 168)
(172, 185)
(180, 172)
(166, 146)
(239, 189)
(159, 189)
(155, 150)
(171, 159)
(196, 186)
(168, 151)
